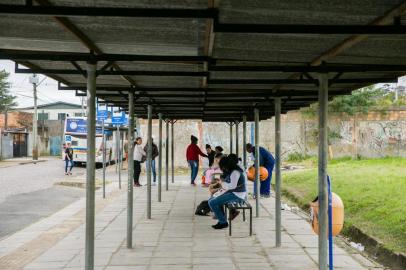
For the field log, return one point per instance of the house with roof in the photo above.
(56, 110)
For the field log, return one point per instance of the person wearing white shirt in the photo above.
(234, 187)
(139, 157)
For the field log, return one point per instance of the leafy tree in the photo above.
(7, 100)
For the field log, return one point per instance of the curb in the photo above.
(375, 249)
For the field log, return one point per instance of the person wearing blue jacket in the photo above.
(266, 160)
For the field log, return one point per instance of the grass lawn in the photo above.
(373, 191)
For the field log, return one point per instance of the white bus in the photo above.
(75, 132)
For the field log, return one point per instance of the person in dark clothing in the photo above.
(192, 156)
(68, 159)
(210, 154)
(155, 153)
(266, 160)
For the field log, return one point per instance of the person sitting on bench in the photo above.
(214, 169)
(233, 188)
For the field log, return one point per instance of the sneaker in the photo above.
(234, 214)
(66, 173)
(220, 226)
(193, 184)
(70, 173)
(137, 185)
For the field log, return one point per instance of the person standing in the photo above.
(68, 159)
(155, 153)
(125, 146)
(266, 160)
(139, 157)
(192, 156)
(210, 154)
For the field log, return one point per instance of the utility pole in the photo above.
(34, 80)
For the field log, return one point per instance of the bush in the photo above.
(296, 157)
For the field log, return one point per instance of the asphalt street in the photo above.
(28, 193)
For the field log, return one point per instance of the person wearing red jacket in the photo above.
(192, 156)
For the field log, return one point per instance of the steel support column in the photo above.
(256, 117)
(237, 152)
(130, 169)
(90, 165)
(160, 159)
(231, 137)
(119, 159)
(244, 140)
(104, 159)
(172, 151)
(278, 171)
(322, 171)
(149, 161)
(167, 156)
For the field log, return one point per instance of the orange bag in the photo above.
(338, 214)
(263, 173)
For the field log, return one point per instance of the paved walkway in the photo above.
(174, 239)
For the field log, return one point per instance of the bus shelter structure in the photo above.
(217, 61)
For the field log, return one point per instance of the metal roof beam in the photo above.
(70, 11)
(299, 81)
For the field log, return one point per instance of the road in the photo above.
(27, 178)
(28, 193)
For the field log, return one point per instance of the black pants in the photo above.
(137, 171)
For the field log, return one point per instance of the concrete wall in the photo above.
(377, 134)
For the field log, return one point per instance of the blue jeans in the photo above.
(216, 205)
(67, 162)
(194, 167)
(152, 168)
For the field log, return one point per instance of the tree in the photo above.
(7, 100)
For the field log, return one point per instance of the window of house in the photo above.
(61, 116)
(78, 114)
(43, 116)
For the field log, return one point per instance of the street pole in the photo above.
(172, 152)
(256, 116)
(104, 159)
(244, 140)
(167, 156)
(322, 170)
(90, 165)
(130, 169)
(149, 161)
(160, 159)
(34, 80)
(278, 180)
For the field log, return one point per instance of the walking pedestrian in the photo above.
(155, 153)
(68, 159)
(139, 157)
(192, 156)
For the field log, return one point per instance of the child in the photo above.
(209, 173)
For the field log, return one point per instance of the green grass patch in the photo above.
(373, 191)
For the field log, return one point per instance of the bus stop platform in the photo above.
(173, 239)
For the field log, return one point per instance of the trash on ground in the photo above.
(357, 246)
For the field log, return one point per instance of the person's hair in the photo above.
(219, 148)
(248, 145)
(229, 163)
(193, 139)
(138, 138)
(208, 146)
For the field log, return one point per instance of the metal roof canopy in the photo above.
(212, 62)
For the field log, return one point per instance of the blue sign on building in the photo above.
(78, 126)
(118, 117)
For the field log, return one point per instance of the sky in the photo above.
(47, 91)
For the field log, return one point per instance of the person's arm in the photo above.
(143, 152)
(67, 154)
(200, 152)
(235, 175)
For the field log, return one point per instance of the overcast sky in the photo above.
(47, 91)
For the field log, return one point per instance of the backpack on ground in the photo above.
(203, 209)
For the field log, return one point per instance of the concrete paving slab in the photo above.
(176, 239)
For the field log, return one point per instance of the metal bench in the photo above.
(245, 205)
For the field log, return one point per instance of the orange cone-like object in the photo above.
(263, 173)
(338, 214)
